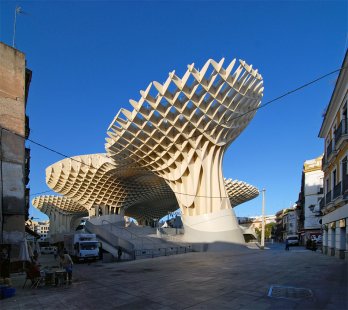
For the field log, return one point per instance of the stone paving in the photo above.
(215, 280)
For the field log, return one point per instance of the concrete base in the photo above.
(325, 250)
(214, 231)
(340, 253)
(331, 252)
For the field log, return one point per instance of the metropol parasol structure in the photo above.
(166, 153)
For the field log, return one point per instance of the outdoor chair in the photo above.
(34, 276)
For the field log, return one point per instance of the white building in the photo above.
(313, 193)
(42, 228)
(289, 223)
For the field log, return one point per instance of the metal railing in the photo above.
(129, 235)
(341, 130)
(105, 232)
(322, 203)
(323, 161)
(110, 238)
(170, 234)
(329, 150)
(337, 190)
(174, 250)
(328, 197)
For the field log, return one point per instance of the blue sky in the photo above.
(90, 57)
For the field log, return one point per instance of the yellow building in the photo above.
(334, 205)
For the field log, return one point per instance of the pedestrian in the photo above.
(119, 254)
(66, 263)
(55, 253)
(286, 244)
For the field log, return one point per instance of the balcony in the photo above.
(323, 162)
(337, 190)
(340, 132)
(329, 150)
(345, 184)
(328, 197)
(340, 137)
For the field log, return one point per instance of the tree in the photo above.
(269, 229)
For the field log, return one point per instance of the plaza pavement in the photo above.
(214, 280)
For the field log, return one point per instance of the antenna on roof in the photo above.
(18, 10)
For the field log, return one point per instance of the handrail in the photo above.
(120, 228)
(110, 238)
(169, 237)
(155, 251)
(142, 238)
(172, 250)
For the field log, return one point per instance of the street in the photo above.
(301, 279)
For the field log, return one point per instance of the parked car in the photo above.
(292, 240)
(47, 249)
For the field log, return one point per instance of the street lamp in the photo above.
(263, 221)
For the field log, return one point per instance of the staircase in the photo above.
(136, 242)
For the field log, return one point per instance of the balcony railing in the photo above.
(341, 130)
(329, 150)
(337, 190)
(328, 197)
(345, 183)
(322, 203)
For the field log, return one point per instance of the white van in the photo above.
(292, 240)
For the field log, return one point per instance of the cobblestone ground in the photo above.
(301, 279)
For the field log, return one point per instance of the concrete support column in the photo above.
(66, 222)
(91, 212)
(325, 241)
(106, 210)
(340, 242)
(331, 241)
(346, 245)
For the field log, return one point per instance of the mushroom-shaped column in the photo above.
(97, 183)
(62, 213)
(180, 131)
(240, 192)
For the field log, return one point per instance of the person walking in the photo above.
(119, 254)
(66, 263)
(286, 244)
(55, 253)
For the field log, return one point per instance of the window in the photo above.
(334, 180)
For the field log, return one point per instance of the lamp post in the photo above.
(263, 221)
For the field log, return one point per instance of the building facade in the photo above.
(41, 228)
(290, 220)
(286, 223)
(308, 206)
(334, 206)
(14, 156)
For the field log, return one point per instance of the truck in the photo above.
(82, 246)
